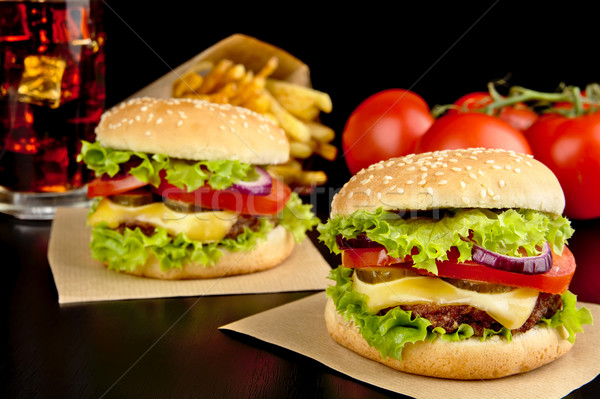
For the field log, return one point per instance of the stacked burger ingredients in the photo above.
(182, 190)
(454, 265)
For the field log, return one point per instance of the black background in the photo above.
(440, 50)
(171, 347)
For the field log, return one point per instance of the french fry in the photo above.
(269, 67)
(301, 101)
(311, 178)
(300, 150)
(224, 95)
(287, 171)
(259, 103)
(320, 132)
(288, 122)
(188, 83)
(233, 74)
(252, 89)
(214, 76)
(326, 151)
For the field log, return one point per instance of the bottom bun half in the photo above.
(469, 359)
(269, 253)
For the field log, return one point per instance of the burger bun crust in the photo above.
(193, 130)
(469, 178)
(267, 254)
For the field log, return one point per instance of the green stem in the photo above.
(521, 95)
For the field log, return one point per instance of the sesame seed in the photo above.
(483, 193)
(472, 175)
(393, 187)
(400, 191)
(466, 200)
(409, 182)
(365, 181)
(457, 169)
(442, 182)
(490, 161)
(462, 184)
(496, 197)
(378, 196)
(501, 183)
(439, 173)
(430, 190)
(422, 182)
(368, 192)
(148, 132)
(517, 170)
(388, 177)
(351, 194)
(179, 123)
(410, 168)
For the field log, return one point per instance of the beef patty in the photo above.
(451, 317)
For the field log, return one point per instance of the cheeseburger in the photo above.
(454, 265)
(181, 191)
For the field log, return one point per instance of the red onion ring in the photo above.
(524, 265)
(260, 186)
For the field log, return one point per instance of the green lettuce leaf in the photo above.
(130, 249)
(126, 251)
(183, 174)
(571, 318)
(297, 217)
(390, 332)
(507, 232)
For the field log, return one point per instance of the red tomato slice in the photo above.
(230, 200)
(555, 281)
(101, 187)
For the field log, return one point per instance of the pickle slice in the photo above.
(137, 197)
(375, 275)
(478, 286)
(181, 207)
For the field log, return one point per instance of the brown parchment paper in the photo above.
(300, 326)
(239, 48)
(79, 278)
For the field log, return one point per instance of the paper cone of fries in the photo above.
(244, 71)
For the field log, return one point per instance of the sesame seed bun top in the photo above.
(468, 178)
(193, 130)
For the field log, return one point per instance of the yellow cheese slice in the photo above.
(201, 226)
(511, 309)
